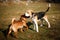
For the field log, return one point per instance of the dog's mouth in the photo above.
(27, 15)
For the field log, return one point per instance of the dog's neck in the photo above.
(33, 14)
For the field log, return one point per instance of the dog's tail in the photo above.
(49, 5)
(13, 19)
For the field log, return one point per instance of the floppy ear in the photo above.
(32, 13)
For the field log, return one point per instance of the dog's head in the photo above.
(23, 18)
(28, 13)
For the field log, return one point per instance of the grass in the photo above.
(8, 11)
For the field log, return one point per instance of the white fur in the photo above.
(49, 5)
(26, 14)
(35, 24)
(47, 22)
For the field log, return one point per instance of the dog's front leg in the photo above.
(36, 25)
(21, 30)
(15, 31)
(33, 20)
(15, 34)
(26, 26)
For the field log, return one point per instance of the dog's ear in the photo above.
(32, 13)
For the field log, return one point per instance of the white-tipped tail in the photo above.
(13, 19)
(49, 5)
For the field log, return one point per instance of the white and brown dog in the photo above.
(17, 25)
(38, 16)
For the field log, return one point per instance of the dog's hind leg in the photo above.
(45, 18)
(10, 30)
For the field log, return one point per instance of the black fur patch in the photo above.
(39, 14)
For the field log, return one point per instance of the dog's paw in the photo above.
(48, 26)
(41, 25)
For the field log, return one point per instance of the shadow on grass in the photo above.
(5, 32)
(29, 24)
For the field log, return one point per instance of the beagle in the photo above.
(38, 16)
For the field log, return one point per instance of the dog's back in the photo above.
(42, 14)
(18, 23)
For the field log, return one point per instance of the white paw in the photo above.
(48, 26)
(37, 31)
(41, 25)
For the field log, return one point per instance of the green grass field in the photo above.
(8, 11)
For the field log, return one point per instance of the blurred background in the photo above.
(15, 8)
